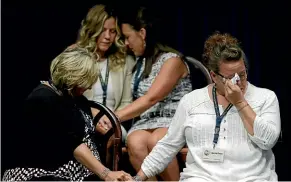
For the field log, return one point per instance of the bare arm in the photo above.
(171, 72)
(234, 95)
(94, 112)
(85, 156)
(247, 115)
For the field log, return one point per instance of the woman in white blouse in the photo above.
(230, 126)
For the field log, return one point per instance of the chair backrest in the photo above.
(200, 76)
(103, 110)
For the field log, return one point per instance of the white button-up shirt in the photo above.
(246, 157)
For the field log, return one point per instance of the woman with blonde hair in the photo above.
(56, 132)
(101, 35)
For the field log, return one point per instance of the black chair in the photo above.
(200, 76)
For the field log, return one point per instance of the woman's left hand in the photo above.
(233, 93)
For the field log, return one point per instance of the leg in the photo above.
(171, 173)
(137, 148)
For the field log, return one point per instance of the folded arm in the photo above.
(267, 125)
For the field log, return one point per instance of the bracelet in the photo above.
(239, 102)
(243, 107)
(104, 173)
(137, 178)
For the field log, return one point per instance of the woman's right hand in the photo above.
(118, 176)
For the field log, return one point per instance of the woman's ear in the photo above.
(213, 76)
(143, 33)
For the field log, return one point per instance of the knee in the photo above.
(136, 145)
(152, 141)
(155, 137)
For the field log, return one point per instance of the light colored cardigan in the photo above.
(121, 84)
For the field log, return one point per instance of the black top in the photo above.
(49, 129)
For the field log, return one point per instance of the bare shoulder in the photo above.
(174, 60)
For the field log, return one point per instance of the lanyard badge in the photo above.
(216, 155)
(104, 83)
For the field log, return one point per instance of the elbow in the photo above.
(268, 141)
(79, 151)
(267, 145)
(272, 140)
(266, 133)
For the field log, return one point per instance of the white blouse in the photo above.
(97, 88)
(246, 157)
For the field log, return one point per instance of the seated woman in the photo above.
(230, 126)
(160, 79)
(101, 34)
(55, 133)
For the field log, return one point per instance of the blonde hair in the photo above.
(92, 27)
(75, 67)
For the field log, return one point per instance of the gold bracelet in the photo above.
(243, 107)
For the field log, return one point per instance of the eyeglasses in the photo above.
(242, 75)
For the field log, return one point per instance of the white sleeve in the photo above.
(168, 147)
(267, 125)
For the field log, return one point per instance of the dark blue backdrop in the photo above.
(33, 33)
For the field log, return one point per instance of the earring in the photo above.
(144, 44)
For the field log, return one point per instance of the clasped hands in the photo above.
(103, 125)
(118, 176)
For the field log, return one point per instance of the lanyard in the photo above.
(104, 83)
(137, 78)
(218, 116)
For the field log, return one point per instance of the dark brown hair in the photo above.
(144, 18)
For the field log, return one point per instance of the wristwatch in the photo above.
(137, 178)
